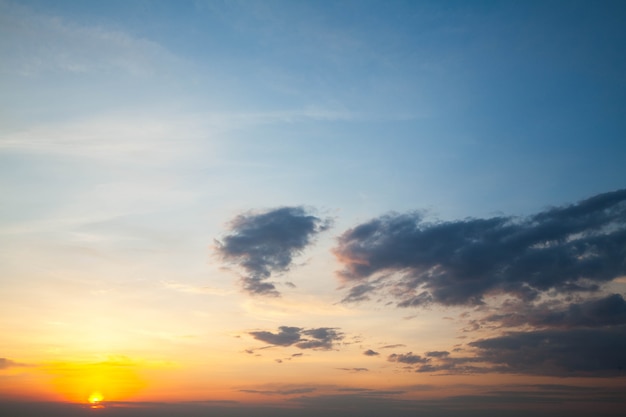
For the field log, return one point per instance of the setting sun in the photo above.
(95, 398)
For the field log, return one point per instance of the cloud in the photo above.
(286, 336)
(597, 312)
(437, 354)
(408, 358)
(581, 352)
(75, 49)
(577, 352)
(355, 370)
(265, 243)
(568, 249)
(397, 345)
(8, 363)
(291, 391)
(370, 352)
(321, 338)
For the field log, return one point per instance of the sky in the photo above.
(292, 207)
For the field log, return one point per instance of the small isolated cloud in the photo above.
(286, 336)
(354, 370)
(397, 345)
(263, 244)
(570, 249)
(370, 352)
(408, 358)
(321, 338)
(437, 354)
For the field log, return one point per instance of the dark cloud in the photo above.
(597, 312)
(570, 352)
(438, 354)
(321, 338)
(370, 352)
(408, 358)
(567, 249)
(265, 243)
(579, 352)
(286, 336)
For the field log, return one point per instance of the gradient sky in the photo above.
(287, 207)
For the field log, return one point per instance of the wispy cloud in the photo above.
(8, 363)
(73, 48)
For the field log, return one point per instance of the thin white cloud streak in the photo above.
(147, 139)
(34, 44)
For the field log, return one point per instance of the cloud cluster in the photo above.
(571, 352)
(553, 316)
(586, 338)
(321, 338)
(567, 249)
(265, 243)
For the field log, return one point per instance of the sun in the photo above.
(95, 399)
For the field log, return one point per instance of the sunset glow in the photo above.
(95, 399)
(301, 208)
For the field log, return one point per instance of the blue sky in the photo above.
(134, 133)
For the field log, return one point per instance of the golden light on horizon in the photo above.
(80, 382)
(95, 399)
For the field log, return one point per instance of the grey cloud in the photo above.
(570, 352)
(568, 249)
(393, 346)
(291, 391)
(265, 243)
(286, 336)
(321, 338)
(408, 358)
(354, 369)
(598, 312)
(370, 352)
(437, 354)
(579, 352)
